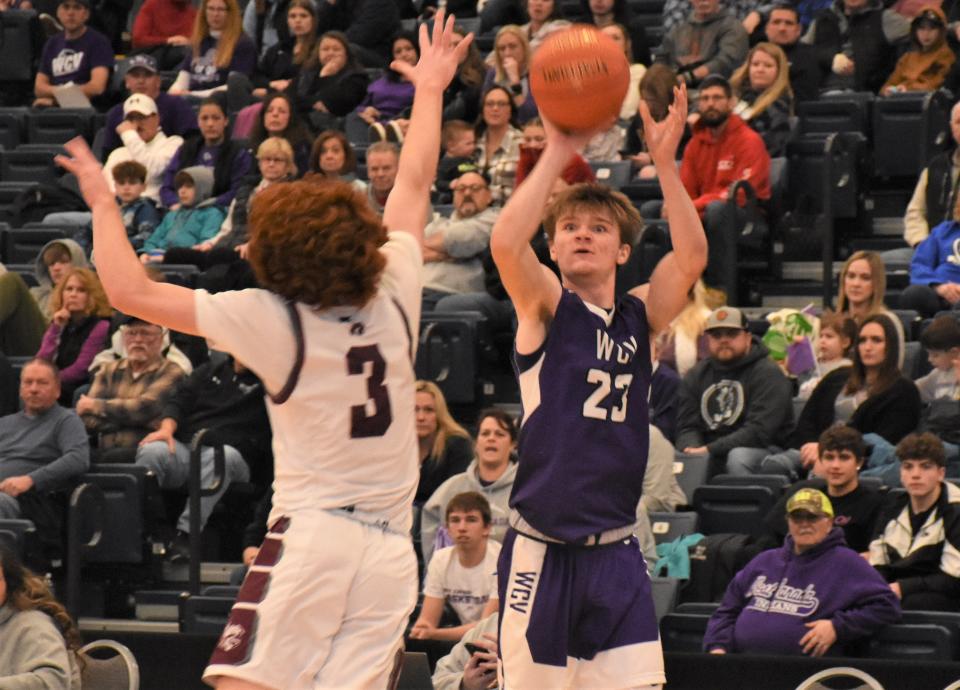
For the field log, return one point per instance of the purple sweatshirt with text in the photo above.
(767, 605)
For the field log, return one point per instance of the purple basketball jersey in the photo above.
(584, 435)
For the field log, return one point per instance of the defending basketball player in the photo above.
(575, 601)
(325, 603)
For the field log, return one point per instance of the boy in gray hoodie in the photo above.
(194, 221)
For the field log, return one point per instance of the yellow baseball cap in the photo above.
(812, 501)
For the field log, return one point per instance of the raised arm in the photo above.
(533, 288)
(679, 270)
(122, 274)
(409, 200)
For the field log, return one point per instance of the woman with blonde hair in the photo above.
(445, 447)
(511, 69)
(40, 641)
(218, 47)
(78, 330)
(762, 84)
(684, 344)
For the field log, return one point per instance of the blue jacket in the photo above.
(185, 227)
(767, 605)
(937, 258)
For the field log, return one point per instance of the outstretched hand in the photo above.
(576, 140)
(439, 57)
(88, 171)
(663, 137)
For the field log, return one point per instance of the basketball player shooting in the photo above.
(575, 602)
(330, 334)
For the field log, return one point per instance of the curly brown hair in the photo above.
(27, 591)
(316, 241)
(97, 302)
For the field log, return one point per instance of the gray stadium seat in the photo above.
(691, 471)
(665, 592)
(775, 482)
(732, 508)
(683, 632)
(667, 527)
(912, 641)
(27, 166)
(204, 614)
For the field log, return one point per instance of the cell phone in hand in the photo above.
(474, 648)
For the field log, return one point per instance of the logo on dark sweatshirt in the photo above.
(780, 597)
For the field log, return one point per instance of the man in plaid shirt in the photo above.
(126, 397)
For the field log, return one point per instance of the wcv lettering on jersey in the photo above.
(606, 345)
(67, 62)
(521, 591)
(608, 401)
(780, 597)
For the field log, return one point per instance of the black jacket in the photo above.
(340, 92)
(215, 397)
(893, 414)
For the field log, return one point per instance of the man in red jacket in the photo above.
(163, 28)
(723, 150)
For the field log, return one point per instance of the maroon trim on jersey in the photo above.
(234, 645)
(406, 326)
(294, 376)
(240, 632)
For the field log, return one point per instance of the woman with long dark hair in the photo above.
(386, 107)
(40, 640)
(279, 118)
(872, 396)
(330, 84)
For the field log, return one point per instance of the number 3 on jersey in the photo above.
(363, 423)
(597, 403)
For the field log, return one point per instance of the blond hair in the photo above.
(278, 146)
(447, 426)
(779, 87)
(517, 31)
(231, 33)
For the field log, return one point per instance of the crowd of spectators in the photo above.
(220, 101)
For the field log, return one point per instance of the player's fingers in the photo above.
(404, 68)
(438, 22)
(424, 38)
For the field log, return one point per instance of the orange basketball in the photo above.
(579, 77)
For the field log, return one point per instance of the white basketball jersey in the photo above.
(346, 436)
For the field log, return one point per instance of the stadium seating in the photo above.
(204, 614)
(691, 471)
(732, 508)
(21, 246)
(20, 534)
(651, 246)
(665, 591)
(914, 642)
(615, 174)
(775, 482)
(667, 527)
(26, 165)
(448, 353)
(683, 632)
(908, 130)
(59, 125)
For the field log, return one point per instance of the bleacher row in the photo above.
(109, 522)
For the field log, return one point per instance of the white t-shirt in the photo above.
(346, 437)
(467, 590)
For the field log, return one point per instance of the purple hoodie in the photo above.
(768, 603)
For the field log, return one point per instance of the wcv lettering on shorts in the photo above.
(780, 597)
(521, 590)
(236, 641)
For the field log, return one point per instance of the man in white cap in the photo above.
(143, 76)
(144, 142)
(736, 403)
